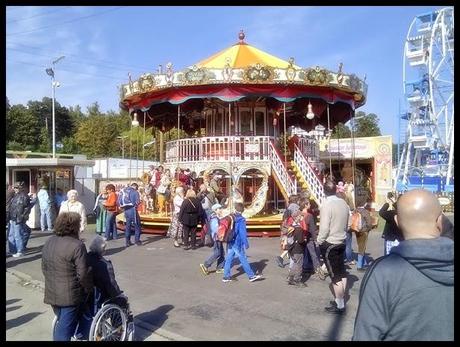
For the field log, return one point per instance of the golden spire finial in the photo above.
(241, 36)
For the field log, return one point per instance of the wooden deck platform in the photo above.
(265, 226)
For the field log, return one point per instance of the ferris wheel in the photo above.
(428, 84)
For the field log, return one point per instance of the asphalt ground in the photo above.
(171, 299)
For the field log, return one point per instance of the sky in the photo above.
(102, 44)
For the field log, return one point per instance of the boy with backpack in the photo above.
(296, 246)
(218, 248)
(236, 246)
(128, 200)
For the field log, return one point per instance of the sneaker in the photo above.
(219, 271)
(176, 244)
(226, 279)
(138, 243)
(335, 309)
(204, 269)
(351, 262)
(17, 255)
(279, 261)
(255, 278)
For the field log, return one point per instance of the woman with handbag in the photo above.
(190, 214)
(100, 212)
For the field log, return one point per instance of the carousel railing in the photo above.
(281, 172)
(218, 148)
(314, 184)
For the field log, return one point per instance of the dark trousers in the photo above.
(26, 234)
(218, 254)
(132, 218)
(189, 232)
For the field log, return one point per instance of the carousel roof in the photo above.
(242, 55)
(239, 71)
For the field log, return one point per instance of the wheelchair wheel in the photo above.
(109, 324)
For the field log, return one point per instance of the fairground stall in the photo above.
(235, 108)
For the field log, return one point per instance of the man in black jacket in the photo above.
(391, 233)
(18, 214)
(409, 294)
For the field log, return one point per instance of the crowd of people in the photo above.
(414, 276)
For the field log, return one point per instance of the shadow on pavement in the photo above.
(257, 267)
(333, 332)
(36, 234)
(12, 301)
(151, 239)
(21, 260)
(12, 308)
(154, 318)
(112, 251)
(12, 323)
(351, 279)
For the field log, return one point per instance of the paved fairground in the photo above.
(172, 300)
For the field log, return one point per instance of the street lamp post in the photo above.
(54, 84)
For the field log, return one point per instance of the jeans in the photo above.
(311, 256)
(67, 321)
(25, 235)
(232, 253)
(111, 226)
(348, 249)
(45, 218)
(218, 254)
(132, 217)
(16, 238)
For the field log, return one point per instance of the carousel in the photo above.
(243, 112)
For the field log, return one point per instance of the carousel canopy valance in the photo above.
(240, 69)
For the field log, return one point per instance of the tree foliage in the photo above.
(366, 125)
(341, 131)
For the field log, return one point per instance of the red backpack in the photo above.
(225, 232)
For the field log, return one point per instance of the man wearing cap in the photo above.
(18, 214)
(218, 249)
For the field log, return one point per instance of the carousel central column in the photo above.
(162, 155)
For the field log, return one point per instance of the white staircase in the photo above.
(315, 186)
(289, 187)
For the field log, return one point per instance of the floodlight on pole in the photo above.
(54, 84)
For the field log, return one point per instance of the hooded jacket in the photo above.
(409, 294)
(240, 242)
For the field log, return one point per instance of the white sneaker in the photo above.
(255, 278)
(17, 255)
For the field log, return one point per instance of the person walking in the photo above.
(110, 206)
(44, 202)
(128, 200)
(409, 294)
(362, 235)
(293, 206)
(68, 280)
(190, 214)
(73, 205)
(218, 251)
(333, 224)
(392, 235)
(20, 206)
(296, 250)
(237, 247)
(175, 228)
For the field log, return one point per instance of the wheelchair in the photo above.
(112, 321)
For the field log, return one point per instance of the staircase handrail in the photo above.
(307, 172)
(281, 171)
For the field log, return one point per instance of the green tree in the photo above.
(366, 125)
(340, 131)
(22, 127)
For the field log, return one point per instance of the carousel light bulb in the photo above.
(135, 122)
(310, 115)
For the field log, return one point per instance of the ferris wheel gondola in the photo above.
(428, 84)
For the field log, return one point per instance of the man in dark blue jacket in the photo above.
(129, 206)
(409, 294)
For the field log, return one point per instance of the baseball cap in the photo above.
(216, 206)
